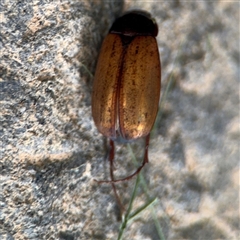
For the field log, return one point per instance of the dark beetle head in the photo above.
(135, 23)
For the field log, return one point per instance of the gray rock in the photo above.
(51, 151)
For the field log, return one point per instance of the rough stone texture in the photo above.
(51, 150)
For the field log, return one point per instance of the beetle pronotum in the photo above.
(127, 82)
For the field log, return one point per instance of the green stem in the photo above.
(152, 208)
(126, 217)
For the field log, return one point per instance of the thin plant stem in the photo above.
(86, 69)
(139, 210)
(126, 217)
(170, 82)
(152, 208)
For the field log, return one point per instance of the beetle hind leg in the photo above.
(111, 157)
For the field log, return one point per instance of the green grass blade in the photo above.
(139, 210)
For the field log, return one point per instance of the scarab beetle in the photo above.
(127, 82)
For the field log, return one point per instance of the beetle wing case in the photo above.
(139, 88)
(105, 85)
(126, 86)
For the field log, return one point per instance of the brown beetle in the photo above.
(127, 82)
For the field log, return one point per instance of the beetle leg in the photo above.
(111, 158)
(145, 160)
(146, 149)
(112, 181)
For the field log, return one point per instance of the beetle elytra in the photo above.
(127, 82)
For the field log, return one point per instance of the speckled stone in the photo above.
(51, 151)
